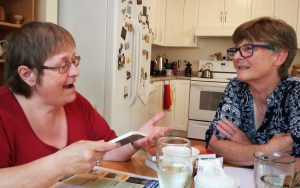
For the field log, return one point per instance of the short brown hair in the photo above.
(32, 45)
(272, 31)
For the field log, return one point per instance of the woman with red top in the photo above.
(47, 129)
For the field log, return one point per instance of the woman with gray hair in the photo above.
(260, 108)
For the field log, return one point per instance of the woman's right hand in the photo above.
(81, 157)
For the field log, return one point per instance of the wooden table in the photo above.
(136, 166)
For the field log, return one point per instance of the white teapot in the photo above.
(3, 46)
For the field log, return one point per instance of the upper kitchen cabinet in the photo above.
(190, 18)
(173, 22)
(157, 21)
(24, 8)
(221, 17)
(262, 8)
(286, 10)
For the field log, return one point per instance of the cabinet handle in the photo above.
(225, 17)
(221, 17)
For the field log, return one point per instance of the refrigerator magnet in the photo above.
(146, 54)
(125, 92)
(128, 75)
(127, 45)
(128, 9)
(129, 27)
(146, 38)
(127, 60)
(121, 48)
(121, 61)
(123, 33)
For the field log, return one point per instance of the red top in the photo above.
(18, 142)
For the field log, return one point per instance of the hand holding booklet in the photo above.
(129, 137)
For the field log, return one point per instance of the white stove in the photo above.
(205, 94)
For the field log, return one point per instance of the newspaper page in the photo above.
(104, 177)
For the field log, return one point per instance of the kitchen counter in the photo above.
(163, 78)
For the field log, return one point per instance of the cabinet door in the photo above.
(262, 8)
(210, 13)
(174, 20)
(157, 21)
(190, 15)
(236, 12)
(221, 17)
(287, 10)
(182, 93)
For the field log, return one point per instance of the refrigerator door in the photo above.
(112, 38)
(130, 67)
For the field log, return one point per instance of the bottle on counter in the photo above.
(188, 69)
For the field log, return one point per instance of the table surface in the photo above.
(136, 166)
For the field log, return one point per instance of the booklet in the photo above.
(104, 177)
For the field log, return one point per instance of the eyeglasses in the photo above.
(65, 67)
(247, 49)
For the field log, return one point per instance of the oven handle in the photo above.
(213, 84)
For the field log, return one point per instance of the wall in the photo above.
(206, 47)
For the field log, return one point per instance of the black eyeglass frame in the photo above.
(232, 51)
(65, 67)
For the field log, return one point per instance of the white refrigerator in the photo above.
(113, 39)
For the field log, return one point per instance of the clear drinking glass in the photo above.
(174, 162)
(275, 163)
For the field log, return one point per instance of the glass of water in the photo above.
(275, 163)
(174, 162)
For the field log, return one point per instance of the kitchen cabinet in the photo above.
(190, 18)
(41, 10)
(21, 7)
(221, 17)
(157, 21)
(173, 22)
(177, 116)
(181, 106)
(155, 103)
(262, 8)
(286, 10)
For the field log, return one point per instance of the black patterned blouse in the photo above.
(282, 116)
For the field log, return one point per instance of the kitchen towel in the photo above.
(167, 97)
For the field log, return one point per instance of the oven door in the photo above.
(204, 99)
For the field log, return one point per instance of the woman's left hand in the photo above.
(232, 132)
(153, 132)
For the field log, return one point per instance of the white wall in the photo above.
(86, 20)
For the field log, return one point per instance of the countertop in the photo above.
(162, 78)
